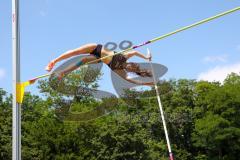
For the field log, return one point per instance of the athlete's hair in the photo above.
(134, 67)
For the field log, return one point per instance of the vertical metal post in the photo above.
(16, 107)
(161, 111)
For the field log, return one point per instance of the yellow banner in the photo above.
(20, 90)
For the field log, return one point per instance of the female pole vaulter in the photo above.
(117, 63)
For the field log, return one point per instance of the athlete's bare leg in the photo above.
(83, 61)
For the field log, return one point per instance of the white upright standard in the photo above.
(16, 107)
(161, 110)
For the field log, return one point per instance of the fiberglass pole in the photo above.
(161, 111)
(16, 107)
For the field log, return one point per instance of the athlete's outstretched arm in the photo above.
(138, 54)
(88, 48)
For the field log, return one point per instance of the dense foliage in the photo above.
(202, 119)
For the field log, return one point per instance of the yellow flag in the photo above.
(20, 90)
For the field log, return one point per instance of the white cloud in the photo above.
(2, 73)
(218, 58)
(219, 73)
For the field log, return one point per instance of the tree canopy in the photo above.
(202, 119)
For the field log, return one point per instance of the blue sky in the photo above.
(51, 27)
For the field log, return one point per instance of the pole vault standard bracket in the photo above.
(161, 110)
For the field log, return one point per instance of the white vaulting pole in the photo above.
(161, 110)
(16, 107)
